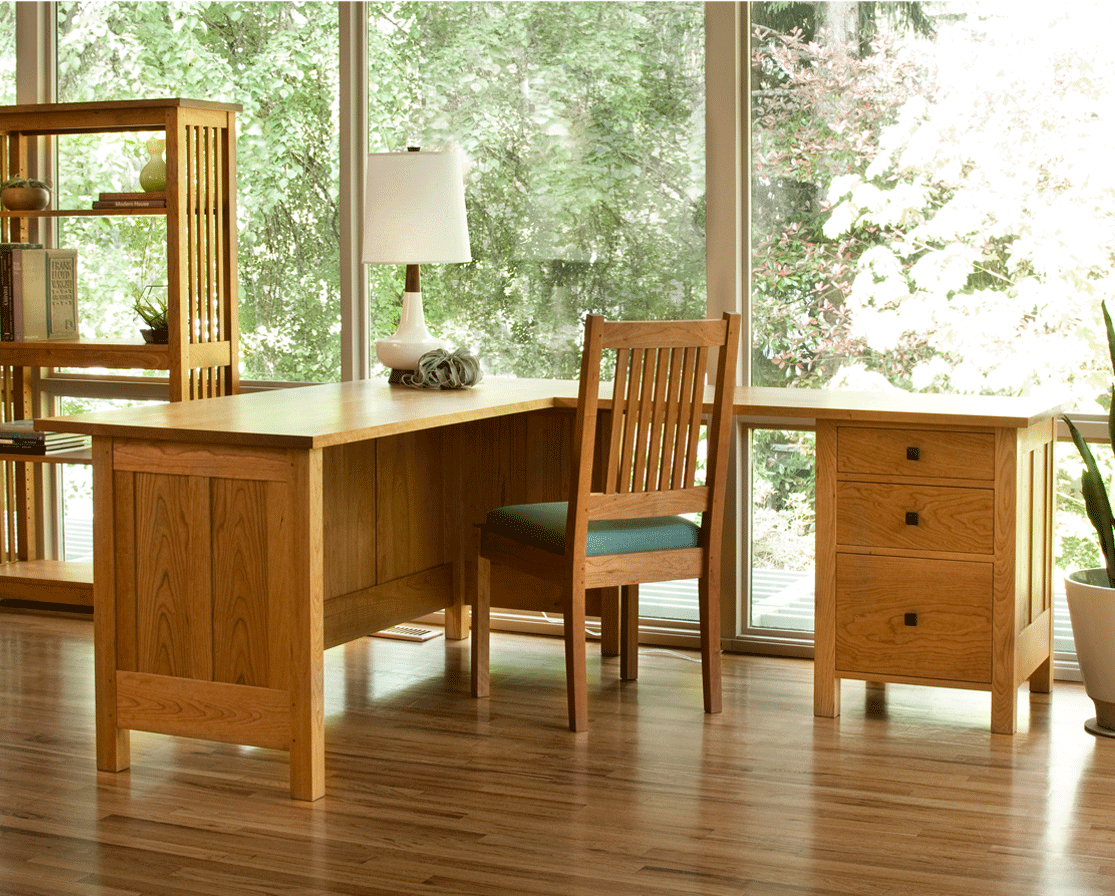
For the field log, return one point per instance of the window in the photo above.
(7, 52)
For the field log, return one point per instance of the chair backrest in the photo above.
(648, 453)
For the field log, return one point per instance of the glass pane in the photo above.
(76, 483)
(279, 60)
(7, 53)
(933, 196)
(583, 129)
(783, 533)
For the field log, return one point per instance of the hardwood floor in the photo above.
(430, 791)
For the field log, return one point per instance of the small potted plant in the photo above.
(24, 194)
(151, 305)
(1091, 592)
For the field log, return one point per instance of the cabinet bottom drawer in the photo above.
(913, 617)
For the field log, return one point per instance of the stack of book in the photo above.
(19, 437)
(152, 199)
(38, 292)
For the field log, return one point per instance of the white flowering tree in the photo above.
(992, 201)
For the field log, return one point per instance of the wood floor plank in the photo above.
(430, 791)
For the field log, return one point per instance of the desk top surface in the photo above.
(335, 413)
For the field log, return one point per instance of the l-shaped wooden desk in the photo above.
(237, 538)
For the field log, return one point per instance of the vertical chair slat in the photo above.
(615, 430)
(670, 418)
(685, 419)
(629, 407)
(644, 415)
(695, 416)
(657, 422)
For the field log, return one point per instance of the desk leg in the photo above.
(457, 616)
(307, 676)
(1004, 712)
(113, 744)
(1041, 681)
(826, 686)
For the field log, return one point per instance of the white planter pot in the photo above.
(1092, 611)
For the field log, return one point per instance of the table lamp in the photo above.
(414, 213)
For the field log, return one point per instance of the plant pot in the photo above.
(25, 199)
(1092, 611)
(161, 336)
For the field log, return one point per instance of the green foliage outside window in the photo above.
(7, 52)
(277, 60)
(583, 129)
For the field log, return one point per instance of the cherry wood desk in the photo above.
(237, 538)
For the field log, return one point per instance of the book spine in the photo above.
(17, 295)
(7, 334)
(34, 294)
(146, 195)
(130, 203)
(61, 294)
(23, 449)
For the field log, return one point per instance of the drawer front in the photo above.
(913, 517)
(916, 453)
(915, 618)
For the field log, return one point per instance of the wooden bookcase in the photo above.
(201, 355)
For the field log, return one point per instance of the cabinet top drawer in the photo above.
(916, 453)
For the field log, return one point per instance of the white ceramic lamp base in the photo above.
(410, 341)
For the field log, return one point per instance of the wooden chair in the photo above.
(623, 524)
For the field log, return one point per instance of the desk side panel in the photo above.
(412, 515)
(202, 565)
(173, 597)
(349, 484)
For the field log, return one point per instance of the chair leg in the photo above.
(708, 596)
(481, 627)
(629, 633)
(609, 622)
(576, 683)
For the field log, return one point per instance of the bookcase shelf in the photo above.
(201, 356)
(83, 213)
(137, 355)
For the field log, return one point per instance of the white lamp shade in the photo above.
(414, 209)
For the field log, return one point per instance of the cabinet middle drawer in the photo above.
(915, 517)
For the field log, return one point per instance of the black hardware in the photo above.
(913, 454)
(911, 619)
(911, 518)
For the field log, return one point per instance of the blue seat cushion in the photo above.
(543, 526)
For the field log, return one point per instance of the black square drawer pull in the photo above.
(911, 619)
(911, 519)
(913, 454)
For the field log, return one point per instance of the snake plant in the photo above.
(1096, 499)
